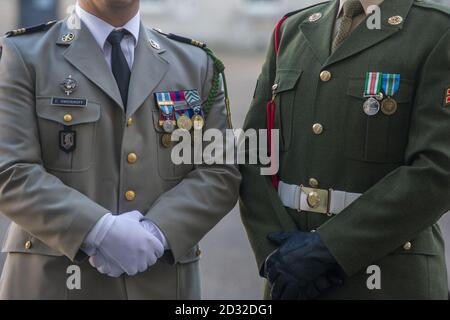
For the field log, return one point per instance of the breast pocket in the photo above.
(377, 138)
(285, 88)
(67, 134)
(167, 169)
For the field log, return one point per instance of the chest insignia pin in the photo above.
(69, 85)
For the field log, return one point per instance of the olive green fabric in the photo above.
(400, 163)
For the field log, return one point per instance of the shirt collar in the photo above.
(365, 3)
(100, 29)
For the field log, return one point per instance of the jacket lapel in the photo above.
(84, 54)
(149, 68)
(363, 38)
(318, 33)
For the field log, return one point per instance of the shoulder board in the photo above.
(432, 5)
(41, 27)
(287, 15)
(182, 39)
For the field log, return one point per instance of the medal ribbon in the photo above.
(373, 83)
(166, 111)
(178, 96)
(391, 84)
(194, 101)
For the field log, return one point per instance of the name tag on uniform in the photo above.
(69, 102)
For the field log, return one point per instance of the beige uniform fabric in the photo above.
(54, 198)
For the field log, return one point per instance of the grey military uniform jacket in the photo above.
(54, 198)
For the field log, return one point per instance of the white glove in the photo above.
(154, 230)
(122, 243)
(104, 266)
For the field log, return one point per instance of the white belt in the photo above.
(327, 202)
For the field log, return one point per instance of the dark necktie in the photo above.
(352, 8)
(119, 64)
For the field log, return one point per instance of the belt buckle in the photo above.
(317, 200)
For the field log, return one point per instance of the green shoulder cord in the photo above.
(219, 71)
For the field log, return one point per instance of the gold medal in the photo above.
(166, 140)
(184, 122)
(198, 122)
(389, 106)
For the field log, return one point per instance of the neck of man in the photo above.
(115, 16)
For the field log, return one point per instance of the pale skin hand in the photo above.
(116, 12)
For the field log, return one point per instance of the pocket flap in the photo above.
(287, 79)
(79, 114)
(404, 94)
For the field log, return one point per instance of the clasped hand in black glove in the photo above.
(301, 268)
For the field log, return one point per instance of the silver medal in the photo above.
(168, 126)
(371, 106)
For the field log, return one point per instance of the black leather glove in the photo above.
(302, 268)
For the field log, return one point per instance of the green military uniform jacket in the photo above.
(119, 164)
(399, 163)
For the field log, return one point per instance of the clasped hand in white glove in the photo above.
(125, 246)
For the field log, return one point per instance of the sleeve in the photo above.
(261, 209)
(186, 213)
(411, 198)
(35, 200)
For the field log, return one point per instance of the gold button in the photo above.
(130, 195)
(130, 122)
(407, 246)
(313, 183)
(313, 200)
(28, 245)
(132, 158)
(317, 128)
(325, 76)
(198, 253)
(68, 118)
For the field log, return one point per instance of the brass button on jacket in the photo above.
(325, 76)
(317, 128)
(132, 158)
(28, 245)
(313, 183)
(130, 195)
(68, 118)
(407, 246)
(130, 122)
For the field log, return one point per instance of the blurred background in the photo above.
(239, 31)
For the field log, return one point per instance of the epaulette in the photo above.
(287, 15)
(41, 27)
(432, 5)
(219, 72)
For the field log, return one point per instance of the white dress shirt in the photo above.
(101, 30)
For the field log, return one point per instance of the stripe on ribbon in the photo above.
(192, 97)
(373, 83)
(391, 84)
